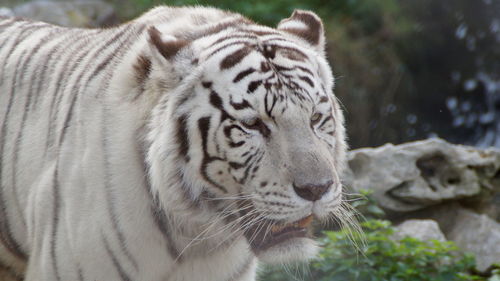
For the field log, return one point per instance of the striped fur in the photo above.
(147, 150)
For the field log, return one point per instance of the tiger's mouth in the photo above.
(269, 233)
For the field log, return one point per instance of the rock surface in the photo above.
(421, 229)
(475, 233)
(68, 13)
(456, 186)
(420, 174)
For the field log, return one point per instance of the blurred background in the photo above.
(405, 69)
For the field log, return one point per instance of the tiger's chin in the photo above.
(283, 243)
(290, 251)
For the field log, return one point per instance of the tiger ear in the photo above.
(307, 26)
(166, 46)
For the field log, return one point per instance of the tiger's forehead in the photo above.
(265, 42)
(248, 67)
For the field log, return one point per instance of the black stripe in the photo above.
(182, 137)
(109, 198)
(64, 76)
(236, 36)
(305, 70)
(206, 84)
(263, 32)
(323, 99)
(108, 185)
(45, 63)
(243, 74)
(269, 108)
(41, 69)
(83, 50)
(235, 57)
(251, 160)
(253, 86)
(161, 220)
(240, 105)
(219, 27)
(216, 102)
(76, 85)
(18, 70)
(225, 47)
(67, 119)
(123, 275)
(49, 37)
(281, 47)
(293, 55)
(59, 92)
(326, 120)
(80, 274)
(307, 80)
(142, 68)
(55, 223)
(282, 68)
(157, 212)
(5, 232)
(236, 165)
(236, 144)
(228, 129)
(16, 43)
(122, 47)
(204, 127)
(17, 143)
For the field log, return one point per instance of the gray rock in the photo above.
(68, 13)
(478, 234)
(424, 230)
(416, 175)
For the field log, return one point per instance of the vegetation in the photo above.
(382, 258)
(376, 256)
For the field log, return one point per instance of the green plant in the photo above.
(375, 256)
(364, 203)
(380, 258)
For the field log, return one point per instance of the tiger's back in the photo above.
(105, 177)
(46, 73)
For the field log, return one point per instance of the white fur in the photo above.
(117, 160)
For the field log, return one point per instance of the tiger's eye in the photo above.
(315, 118)
(251, 123)
(257, 125)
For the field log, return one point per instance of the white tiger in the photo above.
(184, 145)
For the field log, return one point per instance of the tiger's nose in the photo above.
(312, 192)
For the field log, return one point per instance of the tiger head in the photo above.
(251, 132)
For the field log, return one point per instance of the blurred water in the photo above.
(475, 110)
(490, 118)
